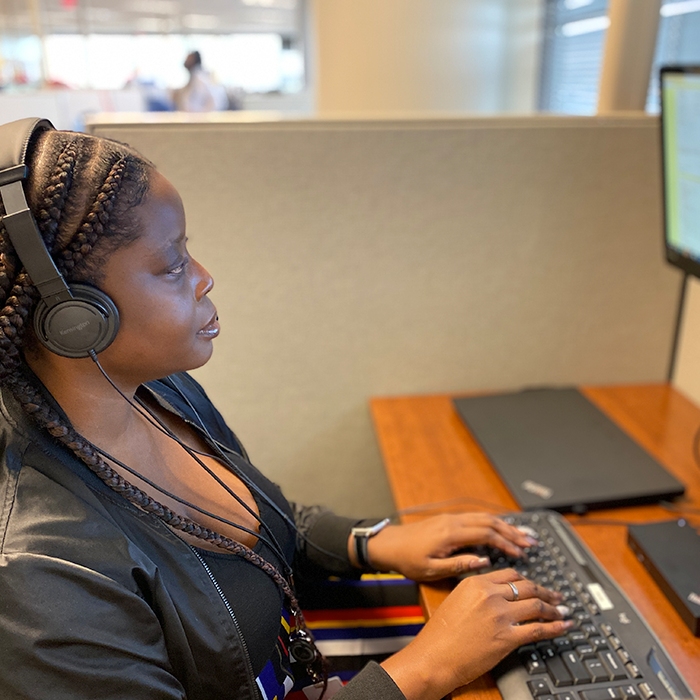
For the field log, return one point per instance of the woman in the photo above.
(142, 556)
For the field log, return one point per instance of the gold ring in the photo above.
(514, 588)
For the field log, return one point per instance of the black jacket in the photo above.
(99, 599)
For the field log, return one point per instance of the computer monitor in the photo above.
(680, 130)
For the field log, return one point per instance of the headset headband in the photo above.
(19, 220)
(76, 320)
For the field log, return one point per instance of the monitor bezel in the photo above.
(687, 264)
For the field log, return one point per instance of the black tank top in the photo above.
(257, 602)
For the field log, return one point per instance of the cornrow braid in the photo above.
(8, 261)
(13, 323)
(96, 220)
(34, 404)
(50, 213)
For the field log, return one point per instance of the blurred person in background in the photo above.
(201, 94)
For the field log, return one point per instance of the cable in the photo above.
(679, 509)
(219, 447)
(440, 505)
(192, 452)
(276, 548)
(159, 425)
(182, 500)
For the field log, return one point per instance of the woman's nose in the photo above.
(204, 281)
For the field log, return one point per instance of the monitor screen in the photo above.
(680, 128)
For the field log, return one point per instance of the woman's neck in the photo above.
(92, 404)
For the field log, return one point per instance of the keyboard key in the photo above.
(577, 637)
(565, 696)
(562, 644)
(602, 694)
(617, 672)
(589, 629)
(606, 629)
(647, 691)
(598, 643)
(558, 673)
(615, 641)
(624, 656)
(585, 651)
(629, 692)
(576, 668)
(546, 650)
(596, 670)
(533, 662)
(633, 670)
(538, 687)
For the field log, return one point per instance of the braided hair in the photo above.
(82, 191)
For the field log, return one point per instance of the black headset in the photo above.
(76, 320)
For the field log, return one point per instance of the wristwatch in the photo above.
(361, 537)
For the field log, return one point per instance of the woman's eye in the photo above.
(179, 268)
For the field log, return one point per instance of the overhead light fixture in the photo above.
(586, 26)
(154, 25)
(200, 21)
(671, 9)
(576, 4)
(278, 4)
(155, 7)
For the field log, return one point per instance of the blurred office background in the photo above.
(305, 57)
(404, 196)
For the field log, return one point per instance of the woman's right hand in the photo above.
(476, 626)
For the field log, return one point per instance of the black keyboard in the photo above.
(610, 654)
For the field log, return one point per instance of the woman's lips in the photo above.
(211, 330)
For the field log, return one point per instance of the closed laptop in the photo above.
(554, 449)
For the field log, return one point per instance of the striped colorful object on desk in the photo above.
(354, 622)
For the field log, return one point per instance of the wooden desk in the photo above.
(430, 457)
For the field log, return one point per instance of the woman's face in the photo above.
(167, 321)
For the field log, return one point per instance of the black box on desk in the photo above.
(670, 552)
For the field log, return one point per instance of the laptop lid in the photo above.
(554, 449)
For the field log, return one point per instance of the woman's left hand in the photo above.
(424, 550)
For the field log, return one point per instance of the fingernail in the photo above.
(529, 533)
(532, 541)
(564, 610)
(479, 563)
(568, 624)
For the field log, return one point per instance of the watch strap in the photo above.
(361, 536)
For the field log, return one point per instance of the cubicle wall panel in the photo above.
(370, 258)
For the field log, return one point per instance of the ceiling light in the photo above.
(200, 21)
(155, 7)
(680, 8)
(586, 26)
(280, 4)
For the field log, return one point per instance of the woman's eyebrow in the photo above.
(171, 244)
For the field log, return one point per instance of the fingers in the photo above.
(486, 529)
(538, 609)
(527, 590)
(538, 631)
(454, 566)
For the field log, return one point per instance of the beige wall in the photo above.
(461, 56)
(367, 258)
(686, 377)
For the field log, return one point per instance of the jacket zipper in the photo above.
(246, 653)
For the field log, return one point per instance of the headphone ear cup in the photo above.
(87, 322)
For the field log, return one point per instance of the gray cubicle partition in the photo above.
(365, 258)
